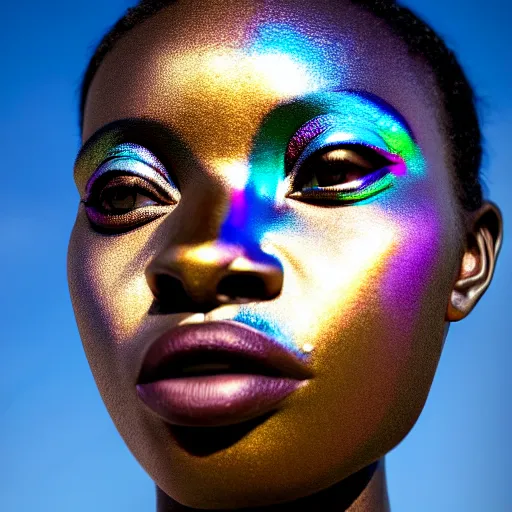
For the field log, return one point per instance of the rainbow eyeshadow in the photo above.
(135, 160)
(325, 121)
(305, 134)
(356, 118)
(291, 134)
(131, 171)
(358, 190)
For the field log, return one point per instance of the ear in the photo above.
(483, 242)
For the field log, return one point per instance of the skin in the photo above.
(363, 290)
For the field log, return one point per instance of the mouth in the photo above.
(217, 373)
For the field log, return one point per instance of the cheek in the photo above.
(374, 301)
(109, 293)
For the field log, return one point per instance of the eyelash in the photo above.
(373, 181)
(106, 219)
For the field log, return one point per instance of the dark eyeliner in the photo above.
(133, 167)
(359, 189)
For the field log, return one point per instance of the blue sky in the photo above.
(59, 450)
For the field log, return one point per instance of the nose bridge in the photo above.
(215, 255)
(236, 227)
(225, 208)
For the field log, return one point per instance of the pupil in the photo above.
(330, 174)
(324, 180)
(122, 198)
(337, 172)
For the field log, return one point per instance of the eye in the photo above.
(342, 173)
(340, 166)
(122, 202)
(125, 193)
(130, 188)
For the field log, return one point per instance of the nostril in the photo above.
(241, 288)
(171, 296)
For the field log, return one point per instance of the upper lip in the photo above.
(247, 349)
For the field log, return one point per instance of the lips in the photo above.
(217, 373)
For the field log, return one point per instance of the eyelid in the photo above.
(319, 145)
(367, 187)
(333, 138)
(135, 160)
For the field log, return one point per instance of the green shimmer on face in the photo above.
(358, 115)
(351, 118)
(360, 190)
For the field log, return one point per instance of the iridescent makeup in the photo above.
(129, 188)
(359, 124)
(351, 123)
(290, 152)
(299, 139)
(131, 178)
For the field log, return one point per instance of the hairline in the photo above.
(465, 178)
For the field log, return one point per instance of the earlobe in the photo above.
(478, 261)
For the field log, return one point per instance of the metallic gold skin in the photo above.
(363, 290)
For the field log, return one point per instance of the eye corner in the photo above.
(118, 224)
(119, 201)
(347, 179)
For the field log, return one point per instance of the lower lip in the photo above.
(215, 400)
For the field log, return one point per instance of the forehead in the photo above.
(212, 71)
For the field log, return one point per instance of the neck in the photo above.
(364, 491)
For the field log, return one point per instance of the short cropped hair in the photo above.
(461, 118)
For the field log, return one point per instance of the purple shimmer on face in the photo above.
(304, 135)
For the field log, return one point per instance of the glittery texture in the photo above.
(132, 159)
(136, 161)
(359, 190)
(242, 95)
(305, 134)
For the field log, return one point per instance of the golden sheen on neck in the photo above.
(264, 255)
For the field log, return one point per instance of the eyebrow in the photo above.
(146, 133)
(158, 137)
(289, 127)
(384, 107)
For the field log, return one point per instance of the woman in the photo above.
(280, 218)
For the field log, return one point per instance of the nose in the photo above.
(199, 277)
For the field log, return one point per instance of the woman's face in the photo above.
(298, 147)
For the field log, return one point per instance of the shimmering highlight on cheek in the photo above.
(340, 279)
